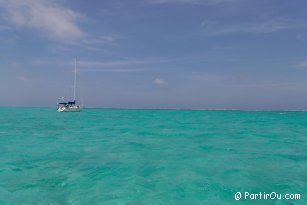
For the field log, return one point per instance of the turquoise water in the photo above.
(113, 156)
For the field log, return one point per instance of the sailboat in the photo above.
(70, 106)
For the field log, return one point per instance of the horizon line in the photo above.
(191, 109)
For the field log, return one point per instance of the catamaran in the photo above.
(70, 106)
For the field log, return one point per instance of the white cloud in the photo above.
(213, 28)
(49, 17)
(129, 65)
(110, 63)
(3, 28)
(197, 2)
(302, 64)
(117, 70)
(23, 78)
(159, 81)
(121, 63)
(107, 39)
(301, 37)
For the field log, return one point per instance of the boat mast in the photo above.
(75, 79)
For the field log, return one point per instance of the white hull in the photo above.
(70, 109)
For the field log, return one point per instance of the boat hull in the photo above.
(70, 109)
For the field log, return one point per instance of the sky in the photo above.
(181, 54)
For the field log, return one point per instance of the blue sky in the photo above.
(200, 54)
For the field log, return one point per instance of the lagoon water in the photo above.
(118, 156)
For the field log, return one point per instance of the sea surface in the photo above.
(121, 156)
